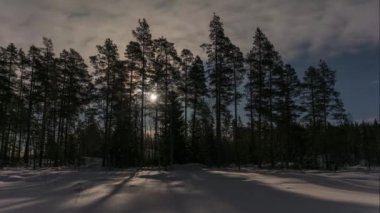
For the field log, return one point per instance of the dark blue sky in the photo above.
(357, 79)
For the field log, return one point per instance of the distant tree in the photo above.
(329, 102)
(320, 99)
(310, 93)
(322, 106)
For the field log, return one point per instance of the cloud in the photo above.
(374, 82)
(297, 28)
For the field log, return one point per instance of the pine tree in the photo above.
(10, 60)
(286, 108)
(322, 105)
(236, 62)
(106, 64)
(320, 99)
(176, 146)
(144, 39)
(44, 77)
(133, 55)
(187, 59)
(196, 90)
(219, 74)
(166, 78)
(310, 93)
(34, 59)
(329, 102)
(74, 87)
(21, 101)
(262, 60)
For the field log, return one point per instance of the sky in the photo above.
(345, 33)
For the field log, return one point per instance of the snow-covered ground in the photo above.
(187, 189)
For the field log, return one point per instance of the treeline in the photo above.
(155, 106)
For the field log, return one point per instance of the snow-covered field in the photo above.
(187, 189)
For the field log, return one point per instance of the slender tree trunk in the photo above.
(313, 103)
(251, 115)
(217, 104)
(156, 141)
(259, 129)
(43, 129)
(185, 105)
(271, 121)
(171, 137)
(142, 111)
(29, 121)
(235, 122)
(166, 107)
(130, 94)
(20, 107)
(7, 142)
(193, 128)
(14, 139)
(106, 117)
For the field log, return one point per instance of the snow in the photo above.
(189, 188)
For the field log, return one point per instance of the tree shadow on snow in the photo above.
(202, 191)
(189, 190)
(340, 183)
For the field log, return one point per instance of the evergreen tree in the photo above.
(21, 102)
(176, 148)
(107, 67)
(34, 59)
(166, 79)
(262, 60)
(196, 90)
(53, 112)
(286, 109)
(44, 77)
(312, 115)
(187, 59)
(74, 87)
(9, 63)
(144, 39)
(236, 62)
(219, 74)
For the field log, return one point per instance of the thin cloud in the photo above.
(375, 82)
(297, 28)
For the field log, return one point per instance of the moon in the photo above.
(153, 97)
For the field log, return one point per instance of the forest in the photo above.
(155, 106)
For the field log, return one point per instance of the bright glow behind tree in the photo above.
(153, 97)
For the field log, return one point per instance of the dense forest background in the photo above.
(155, 106)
